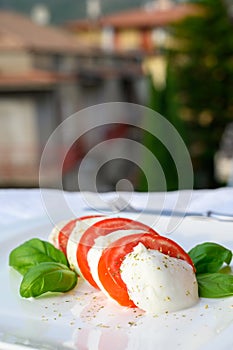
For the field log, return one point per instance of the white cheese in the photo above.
(53, 237)
(74, 238)
(95, 252)
(158, 283)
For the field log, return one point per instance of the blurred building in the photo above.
(143, 29)
(36, 74)
(129, 44)
(47, 74)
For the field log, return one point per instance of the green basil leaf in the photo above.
(34, 252)
(209, 257)
(215, 285)
(47, 277)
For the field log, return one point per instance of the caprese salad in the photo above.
(129, 262)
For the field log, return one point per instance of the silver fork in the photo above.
(120, 204)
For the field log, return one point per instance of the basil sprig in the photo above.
(208, 259)
(44, 268)
(34, 252)
(47, 277)
(215, 285)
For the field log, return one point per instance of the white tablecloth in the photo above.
(18, 206)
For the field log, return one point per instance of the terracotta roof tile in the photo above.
(141, 18)
(36, 78)
(152, 18)
(84, 24)
(17, 31)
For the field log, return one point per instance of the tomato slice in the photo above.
(112, 257)
(65, 232)
(103, 228)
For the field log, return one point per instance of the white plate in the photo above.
(84, 319)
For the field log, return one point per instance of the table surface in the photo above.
(19, 206)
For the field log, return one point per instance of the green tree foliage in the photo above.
(203, 62)
(162, 99)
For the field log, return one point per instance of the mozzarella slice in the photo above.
(74, 238)
(53, 237)
(158, 283)
(96, 250)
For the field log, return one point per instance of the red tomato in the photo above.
(103, 228)
(65, 232)
(112, 257)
